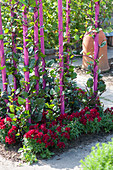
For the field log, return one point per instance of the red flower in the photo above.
(40, 134)
(10, 140)
(86, 108)
(50, 125)
(46, 138)
(50, 131)
(58, 128)
(82, 112)
(67, 129)
(43, 127)
(30, 133)
(99, 119)
(52, 143)
(66, 135)
(61, 144)
(14, 128)
(2, 123)
(88, 116)
(31, 127)
(8, 119)
(39, 141)
(90, 119)
(83, 120)
(10, 131)
(93, 111)
(54, 123)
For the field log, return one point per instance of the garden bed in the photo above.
(81, 144)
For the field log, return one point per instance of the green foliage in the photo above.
(100, 158)
(27, 154)
(93, 100)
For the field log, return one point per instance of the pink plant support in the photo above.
(14, 50)
(68, 2)
(36, 41)
(2, 56)
(26, 57)
(60, 28)
(42, 39)
(96, 47)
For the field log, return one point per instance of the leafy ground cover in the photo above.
(100, 158)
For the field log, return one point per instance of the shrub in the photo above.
(101, 158)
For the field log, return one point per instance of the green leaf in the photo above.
(25, 94)
(90, 83)
(76, 37)
(20, 48)
(1, 68)
(6, 30)
(17, 91)
(11, 115)
(1, 37)
(73, 75)
(40, 102)
(21, 100)
(12, 108)
(52, 92)
(23, 2)
(20, 150)
(103, 44)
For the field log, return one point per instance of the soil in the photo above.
(10, 153)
